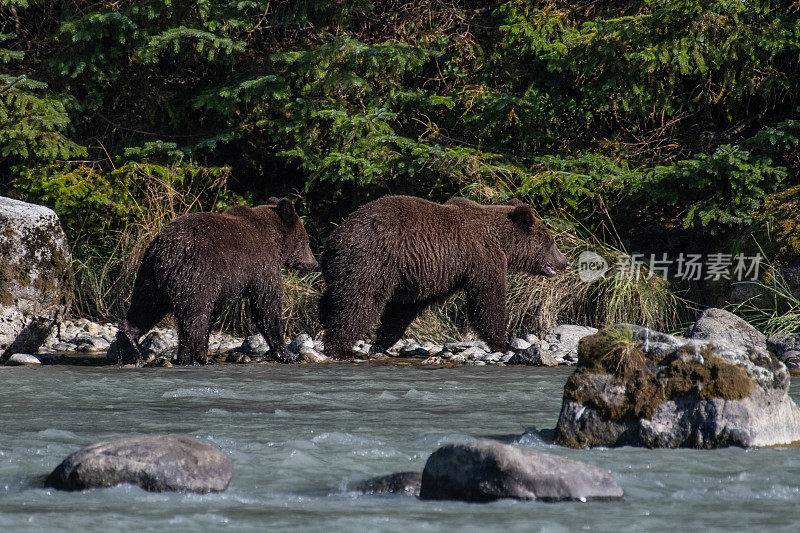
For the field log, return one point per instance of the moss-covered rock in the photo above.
(635, 386)
(35, 275)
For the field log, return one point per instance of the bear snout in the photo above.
(307, 263)
(554, 262)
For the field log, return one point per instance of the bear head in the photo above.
(532, 247)
(298, 255)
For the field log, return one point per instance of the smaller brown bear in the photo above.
(201, 261)
(397, 255)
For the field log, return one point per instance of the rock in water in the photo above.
(22, 359)
(34, 275)
(406, 483)
(485, 470)
(639, 387)
(157, 463)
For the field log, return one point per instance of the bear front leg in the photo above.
(267, 315)
(128, 344)
(486, 306)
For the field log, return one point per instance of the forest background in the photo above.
(655, 127)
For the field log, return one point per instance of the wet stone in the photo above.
(22, 359)
(483, 471)
(157, 463)
(404, 483)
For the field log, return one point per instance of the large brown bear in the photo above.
(201, 261)
(397, 255)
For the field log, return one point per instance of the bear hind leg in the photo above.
(268, 319)
(346, 321)
(193, 332)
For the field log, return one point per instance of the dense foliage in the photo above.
(609, 115)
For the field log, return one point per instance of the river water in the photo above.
(298, 434)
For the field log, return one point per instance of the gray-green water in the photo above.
(298, 433)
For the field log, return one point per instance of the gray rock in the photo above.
(465, 345)
(792, 360)
(237, 357)
(254, 345)
(519, 344)
(484, 470)
(493, 357)
(563, 343)
(160, 362)
(92, 328)
(531, 338)
(457, 359)
(720, 394)
(786, 348)
(724, 329)
(310, 355)
(473, 352)
(430, 347)
(64, 347)
(303, 340)
(366, 348)
(34, 275)
(412, 349)
(69, 331)
(157, 342)
(156, 463)
(535, 356)
(92, 344)
(22, 359)
(228, 345)
(405, 483)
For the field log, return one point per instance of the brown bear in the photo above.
(201, 261)
(397, 255)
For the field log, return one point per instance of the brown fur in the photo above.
(201, 261)
(397, 255)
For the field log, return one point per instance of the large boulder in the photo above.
(34, 275)
(157, 463)
(639, 387)
(485, 470)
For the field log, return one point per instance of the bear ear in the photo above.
(515, 202)
(522, 216)
(285, 209)
(273, 200)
